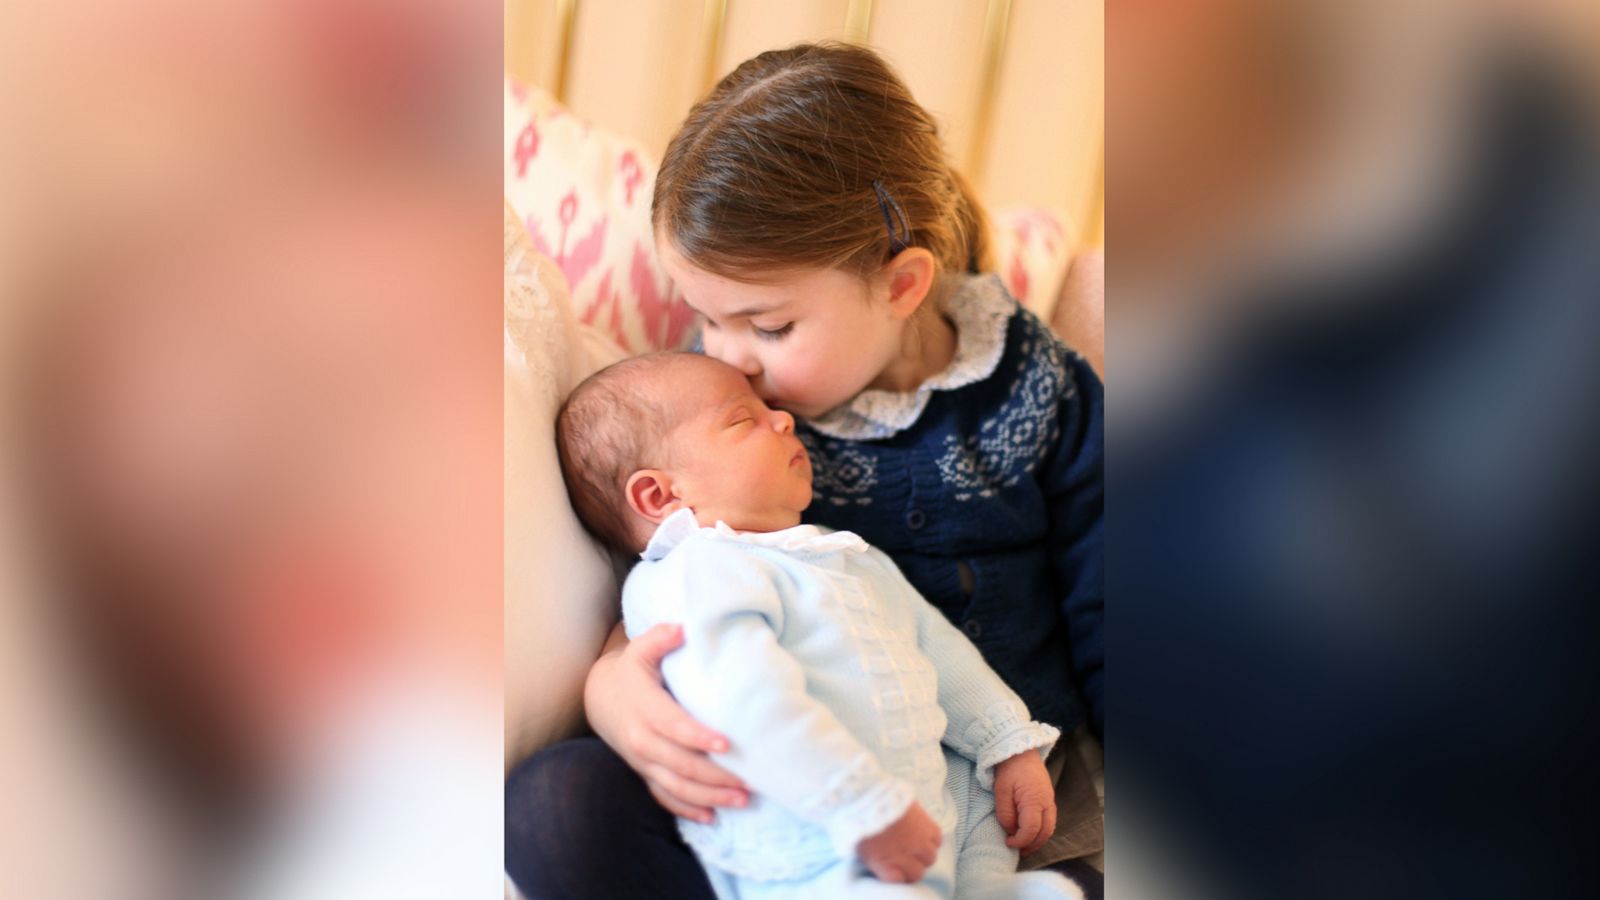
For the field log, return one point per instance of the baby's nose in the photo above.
(782, 422)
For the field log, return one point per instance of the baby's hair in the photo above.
(814, 156)
(611, 426)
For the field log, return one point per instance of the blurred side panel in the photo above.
(1352, 427)
(250, 449)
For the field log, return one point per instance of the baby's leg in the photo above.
(986, 869)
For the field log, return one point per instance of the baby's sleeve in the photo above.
(987, 722)
(733, 674)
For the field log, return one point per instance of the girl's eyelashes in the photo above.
(773, 334)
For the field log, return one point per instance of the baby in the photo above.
(873, 736)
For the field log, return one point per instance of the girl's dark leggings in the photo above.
(581, 825)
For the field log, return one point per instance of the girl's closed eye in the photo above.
(773, 334)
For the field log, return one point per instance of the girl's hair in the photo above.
(814, 156)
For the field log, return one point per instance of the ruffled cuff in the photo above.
(1025, 736)
(881, 806)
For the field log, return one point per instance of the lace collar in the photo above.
(980, 309)
(682, 525)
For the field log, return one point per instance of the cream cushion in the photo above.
(560, 586)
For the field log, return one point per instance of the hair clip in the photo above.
(898, 225)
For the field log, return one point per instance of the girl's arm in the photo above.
(734, 672)
(631, 711)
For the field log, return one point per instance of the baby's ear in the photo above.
(649, 493)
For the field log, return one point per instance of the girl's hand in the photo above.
(1025, 801)
(633, 713)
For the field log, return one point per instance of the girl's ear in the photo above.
(650, 494)
(906, 280)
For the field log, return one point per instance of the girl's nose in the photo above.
(735, 354)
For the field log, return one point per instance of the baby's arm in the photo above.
(733, 675)
(988, 722)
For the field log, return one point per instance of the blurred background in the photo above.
(1351, 432)
(250, 449)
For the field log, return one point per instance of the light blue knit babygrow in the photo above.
(845, 696)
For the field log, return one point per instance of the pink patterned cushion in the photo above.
(1032, 251)
(585, 198)
(584, 195)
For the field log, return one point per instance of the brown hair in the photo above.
(776, 168)
(609, 427)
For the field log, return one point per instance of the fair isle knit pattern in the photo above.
(848, 478)
(1010, 444)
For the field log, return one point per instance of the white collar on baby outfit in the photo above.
(980, 308)
(681, 525)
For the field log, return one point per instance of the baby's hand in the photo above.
(901, 853)
(1025, 801)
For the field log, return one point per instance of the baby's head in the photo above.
(648, 436)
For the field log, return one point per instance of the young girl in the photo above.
(806, 210)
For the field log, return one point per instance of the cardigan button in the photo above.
(915, 519)
(973, 628)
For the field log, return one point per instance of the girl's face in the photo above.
(808, 341)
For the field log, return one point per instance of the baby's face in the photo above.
(732, 457)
